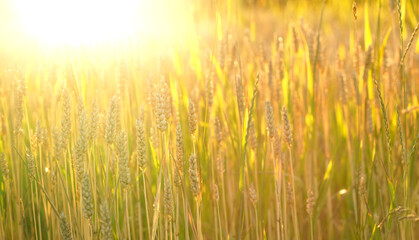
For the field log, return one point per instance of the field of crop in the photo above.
(228, 120)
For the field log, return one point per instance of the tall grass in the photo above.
(272, 128)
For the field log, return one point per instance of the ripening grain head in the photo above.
(194, 176)
(123, 159)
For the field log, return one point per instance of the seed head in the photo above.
(83, 126)
(167, 99)
(142, 113)
(179, 144)
(354, 10)
(218, 130)
(33, 142)
(215, 192)
(210, 92)
(20, 92)
(79, 157)
(4, 166)
(343, 93)
(39, 133)
(270, 120)
(141, 145)
(310, 202)
(112, 164)
(368, 61)
(111, 120)
(94, 121)
(239, 94)
(123, 157)
(66, 118)
(154, 136)
(361, 188)
(56, 136)
(287, 128)
(178, 171)
(31, 165)
(2, 125)
(168, 199)
(105, 222)
(277, 145)
(220, 164)
(192, 118)
(65, 228)
(252, 136)
(194, 176)
(160, 110)
(253, 194)
(149, 91)
(369, 121)
(87, 197)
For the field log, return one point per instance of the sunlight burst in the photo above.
(78, 21)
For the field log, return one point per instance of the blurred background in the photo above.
(36, 29)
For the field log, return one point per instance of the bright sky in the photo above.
(68, 22)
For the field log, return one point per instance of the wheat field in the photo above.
(248, 120)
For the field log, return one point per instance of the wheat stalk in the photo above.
(141, 145)
(123, 159)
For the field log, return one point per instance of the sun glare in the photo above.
(78, 21)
